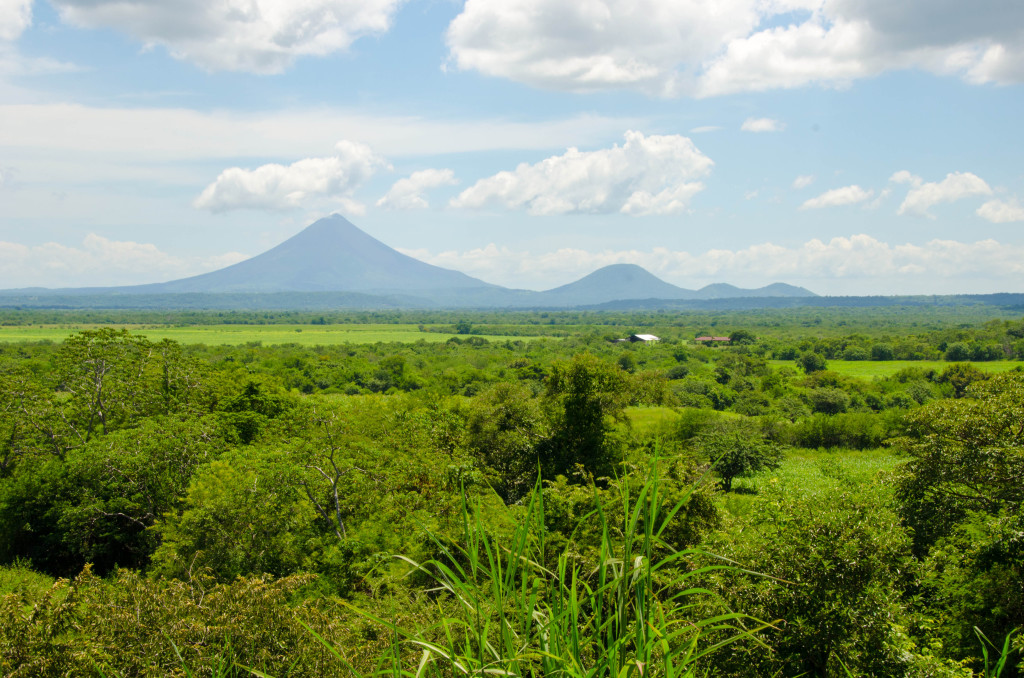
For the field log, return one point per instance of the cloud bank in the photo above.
(859, 264)
(646, 175)
(258, 36)
(688, 47)
(99, 261)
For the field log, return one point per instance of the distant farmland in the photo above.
(215, 335)
(869, 369)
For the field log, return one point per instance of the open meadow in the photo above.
(237, 335)
(881, 369)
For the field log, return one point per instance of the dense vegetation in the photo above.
(562, 504)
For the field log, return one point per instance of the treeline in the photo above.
(224, 506)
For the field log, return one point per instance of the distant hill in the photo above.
(629, 282)
(618, 281)
(727, 291)
(334, 263)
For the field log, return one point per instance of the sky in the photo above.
(853, 147)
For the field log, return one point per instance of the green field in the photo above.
(268, 335)
(869, 369)
(809, 471)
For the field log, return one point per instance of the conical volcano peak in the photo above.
(329, 255)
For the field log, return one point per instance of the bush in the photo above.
(856, 353)
(858, 431)
(812, 362)
(829, 400)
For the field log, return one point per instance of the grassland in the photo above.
(869, 369)
(808, 471)
(268, 335)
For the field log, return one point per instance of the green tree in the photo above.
(243, 515)
(882, 352)
(966, 455)
(741, 337)
(584, 395)
(812, 362)
(505, 428)
(962, 492)
(738, 453)
(110, 379)
(99, 503)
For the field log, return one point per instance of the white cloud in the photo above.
(259, 36)
(646, 175)
(905, 177)
(280, 187)
(15, 17)
(408, 193)
(713, 48)
(566, 44)
(847, 195)
(1000, 212)
(803, 181)
(955, 186)
(750, 195)
(704, 129)
(99, 261)
(859, 264)
(762, 125)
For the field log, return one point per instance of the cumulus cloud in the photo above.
(15, 17)
(282, 187)
(870, 264)
(99, 261)
(646, 175)
(712, 48)
(762, 125)
(847, 195)
(803, 181)
(956, 186)
(1001, 212)
(259, 36)
(408, 193)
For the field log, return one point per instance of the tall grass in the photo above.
(522, 611)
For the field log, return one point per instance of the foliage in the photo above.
(584, 395)
(965, 455)
(632, 613)
(737, 452)
(505, 429)
(829, 562)
(201, 479)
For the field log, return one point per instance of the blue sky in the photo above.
(850, 146)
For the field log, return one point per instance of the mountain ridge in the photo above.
(332, 255)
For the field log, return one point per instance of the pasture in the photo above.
(266, 335)
(870, 369)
